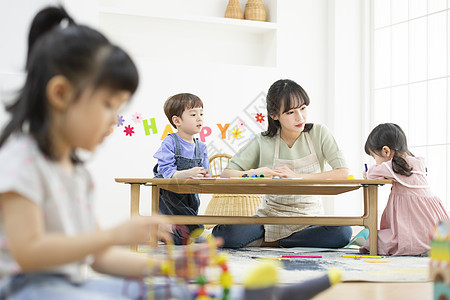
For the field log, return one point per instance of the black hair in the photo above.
(392, 136)
(43, 22)
(81, 54)
(289, 93)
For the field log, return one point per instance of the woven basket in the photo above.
(255, 11)
(232, 205)
(233, 10)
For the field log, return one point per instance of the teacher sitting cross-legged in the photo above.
(290, 148)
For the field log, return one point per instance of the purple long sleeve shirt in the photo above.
(166, 155)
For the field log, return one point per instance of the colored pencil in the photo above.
(302, 256)
(277, 258)
(363, 256)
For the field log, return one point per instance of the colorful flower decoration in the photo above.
(137, 117)
(236, 133)
(120, 121)
(241, 124)
(259, 117)
(129, 130)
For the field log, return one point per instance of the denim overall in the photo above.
(171, 203)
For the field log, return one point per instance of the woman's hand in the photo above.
(286, 172)
(267, 172)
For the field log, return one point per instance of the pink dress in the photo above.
(411, 213)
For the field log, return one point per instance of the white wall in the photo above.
(318, 46)
(14, 25)
(345, 101)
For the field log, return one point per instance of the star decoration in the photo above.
(120, 121)
(129, 130)
(236, 133)
(137, 117)
(259, 117)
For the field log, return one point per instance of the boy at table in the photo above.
(182, 156)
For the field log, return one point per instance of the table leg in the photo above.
(371, 216)
(154, 210)
(134, 205)
(155, 200)
(135, 195)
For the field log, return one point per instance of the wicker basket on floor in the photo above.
(232, 205)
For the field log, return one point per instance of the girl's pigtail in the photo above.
(400, 165)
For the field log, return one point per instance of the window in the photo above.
(410, 79)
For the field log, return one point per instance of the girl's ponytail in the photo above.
(400, 165)
(27, 107)
(84, 56)
(46, 20)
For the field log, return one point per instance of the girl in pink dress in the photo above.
(413, 210)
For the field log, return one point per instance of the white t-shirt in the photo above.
(66, 199)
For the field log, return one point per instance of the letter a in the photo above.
(166, 132)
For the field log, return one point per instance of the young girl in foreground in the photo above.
(412, 210)
(76, 82)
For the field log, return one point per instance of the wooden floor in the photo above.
(378, 291)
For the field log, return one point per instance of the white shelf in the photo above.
(10, 72)
(253, 26)
(197, 38)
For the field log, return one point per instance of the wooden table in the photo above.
(369, 218)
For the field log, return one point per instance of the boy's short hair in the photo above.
(177, 104)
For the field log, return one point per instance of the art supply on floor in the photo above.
(302, 256)
(376, 261)
(363, 256)
(401, 268)
(276, 258)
